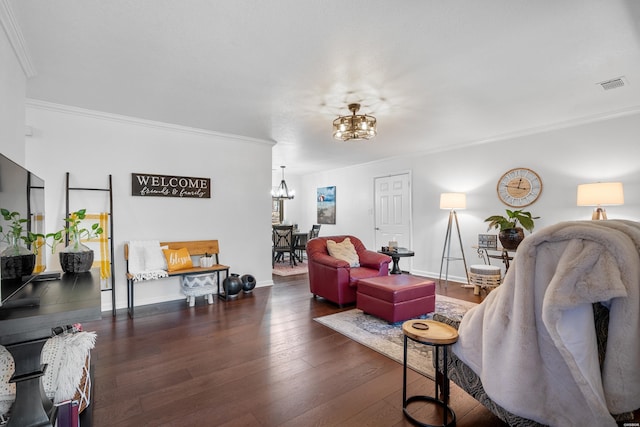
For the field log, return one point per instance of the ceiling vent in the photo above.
(613, 83)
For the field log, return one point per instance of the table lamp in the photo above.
(598, 194)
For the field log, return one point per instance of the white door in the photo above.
(392, 197)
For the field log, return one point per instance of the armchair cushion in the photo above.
(344, 251)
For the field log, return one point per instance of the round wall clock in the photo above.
(519, 187)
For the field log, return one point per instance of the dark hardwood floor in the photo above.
(260, 360)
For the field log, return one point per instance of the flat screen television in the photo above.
(23, 192)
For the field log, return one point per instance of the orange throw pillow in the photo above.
(177, 259)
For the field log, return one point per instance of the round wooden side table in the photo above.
(395, 257)
(436, 334)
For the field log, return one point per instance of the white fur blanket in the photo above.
(532, 340)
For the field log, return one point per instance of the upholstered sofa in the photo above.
(551, 345)
(470, 382)
(332, 278)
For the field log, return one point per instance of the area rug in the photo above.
(285, 269)
(387, 338)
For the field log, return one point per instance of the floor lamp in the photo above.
(452, 201)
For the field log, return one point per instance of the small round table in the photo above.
(436, 334)
(395, 257)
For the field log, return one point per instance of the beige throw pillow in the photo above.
(344, 251)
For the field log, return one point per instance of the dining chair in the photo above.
(282, 236)
(300, 245)
(315, 231)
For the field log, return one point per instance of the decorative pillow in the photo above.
(154, 257)
(344, 251)
(177, 259)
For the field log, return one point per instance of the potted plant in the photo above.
(76, 257)
(19, 258)
(510, 234)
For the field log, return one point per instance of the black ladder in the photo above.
(111, 287)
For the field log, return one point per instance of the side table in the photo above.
(438, 335)
(395, 257)
(505, 255)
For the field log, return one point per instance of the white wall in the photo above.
(12, 91)
(92, 145)
(600, 151)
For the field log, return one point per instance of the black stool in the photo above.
(438, 335)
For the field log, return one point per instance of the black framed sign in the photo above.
(145, 184)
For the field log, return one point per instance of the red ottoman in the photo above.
(396, 297)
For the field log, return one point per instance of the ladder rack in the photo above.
(111, 288)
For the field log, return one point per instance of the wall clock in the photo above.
(519, 187)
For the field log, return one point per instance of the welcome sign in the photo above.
(144, 184)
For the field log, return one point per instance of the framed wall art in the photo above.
(277, 211)
(326, 199)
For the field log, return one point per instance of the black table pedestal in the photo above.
(26, 410)
(395, 258)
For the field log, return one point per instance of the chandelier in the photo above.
(282, 193)
(354, 126)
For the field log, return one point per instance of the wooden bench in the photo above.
(195, 248)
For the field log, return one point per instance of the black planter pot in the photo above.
(232, 286)
(248, 283)
(76, 262)
(511, 238)
(15, 267)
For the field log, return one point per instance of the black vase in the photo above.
(76, 262)
(15, 267)
(232, 286)
(248, 283)
(511, 238)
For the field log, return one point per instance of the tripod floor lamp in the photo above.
(452, 201)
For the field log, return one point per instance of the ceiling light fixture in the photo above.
(355, 126)
(282, 193)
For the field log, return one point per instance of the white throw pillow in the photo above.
(154, 258)
(344, 251)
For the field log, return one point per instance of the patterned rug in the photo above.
(387, 338)
(285, 269)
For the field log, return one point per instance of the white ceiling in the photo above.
(436, 74)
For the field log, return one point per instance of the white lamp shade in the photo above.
(600, 194)
(453, 201)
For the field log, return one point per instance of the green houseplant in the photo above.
(19, 258)
(76, 257)
(510, 233)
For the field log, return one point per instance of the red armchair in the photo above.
(332, 278)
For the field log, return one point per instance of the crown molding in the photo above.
(594, 118)
(571, 123)
(16, 39)
(101, 115)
